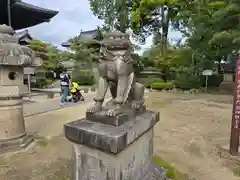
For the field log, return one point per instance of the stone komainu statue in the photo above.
(116, 72)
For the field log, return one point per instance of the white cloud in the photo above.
(73, 16)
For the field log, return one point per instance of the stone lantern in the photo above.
(13, 59)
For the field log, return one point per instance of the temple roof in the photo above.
(24, 37)
(24, 15)
(91, 36)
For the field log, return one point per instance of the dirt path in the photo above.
(50, 157)
(189, 132)
(188, 136)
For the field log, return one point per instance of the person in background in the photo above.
(64, 82)
(76, 94)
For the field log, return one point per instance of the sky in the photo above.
(73, 16)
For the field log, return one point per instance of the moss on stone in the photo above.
(171, 172)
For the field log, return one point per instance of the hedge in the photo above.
(162, 85)
(187, 81)
(213, 81)
(43, 82)
(148, 81)
(83, 77)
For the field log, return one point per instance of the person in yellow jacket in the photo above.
(75, 91)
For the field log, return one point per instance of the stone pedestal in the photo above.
(13, 59)
(12, 127)
(114, 149)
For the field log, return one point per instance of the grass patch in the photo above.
(236, 171)
(65, 172)
(234, 166)
(231, 162)
(171, 172)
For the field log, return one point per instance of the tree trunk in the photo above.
(165, 26)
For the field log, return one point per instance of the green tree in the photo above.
(151, 16)
(54, 56)
(50, 56)
(115, 14)
(40, 48)
(211, 27)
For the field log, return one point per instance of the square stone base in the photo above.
(111, 139)
(133, 163)
(120, 151)
(15, 144)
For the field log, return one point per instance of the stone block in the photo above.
(13, 91)
(12, 132)
(5, 74)
(132, 163)
(109, 138)
(15, 144)
(106, 152)
(11, 119)
(122, 116)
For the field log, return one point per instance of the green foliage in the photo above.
(43, 82)
(187, 81)
(137, 63)
(213, 81)
(171, 172)
(83, 49)
(82, 77)
(148, 81)
(211, 29)
(161, 85)
(149, 16)
(115, 14)
(48, 53)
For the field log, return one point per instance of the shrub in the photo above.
(171, 172)
(161, 85)
(148, 81)
(82, 77)
(43, 82)
(83, 80)
(187, 81)
(213, 81)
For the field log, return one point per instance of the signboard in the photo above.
(207, 72)
(236, 105)
(234, 139)
(29, 70)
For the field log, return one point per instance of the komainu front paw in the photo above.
(137, 104)
(94, 108)
(111, 112)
